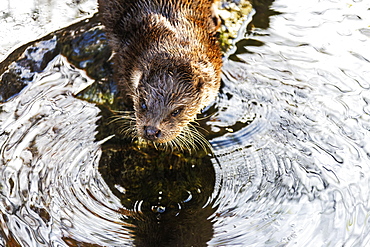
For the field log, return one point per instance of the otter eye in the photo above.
(176, 112)
(143, 106)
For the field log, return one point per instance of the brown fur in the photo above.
(167, 60)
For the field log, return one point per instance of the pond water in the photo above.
(290, 159)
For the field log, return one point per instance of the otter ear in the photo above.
(215, 17)
(135, 77)
(204, 75)
(206, 80)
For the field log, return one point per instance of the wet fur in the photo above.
(167, 60)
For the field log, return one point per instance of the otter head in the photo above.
(165, 101)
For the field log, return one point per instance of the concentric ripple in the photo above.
(51, 189)
(296, 174)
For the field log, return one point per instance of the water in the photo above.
(289, 132)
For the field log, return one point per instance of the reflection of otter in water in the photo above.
(167, 60)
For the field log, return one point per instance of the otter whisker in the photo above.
(186, 140)
(197, 126)
(155, 145)
(171, 144)
(204, 142)
(126, 121)
(189, 140)
(184, 143)
(205, 117)
(123, 113)
(121, 119)
(198, 138)
(175, 144)
(128, 131)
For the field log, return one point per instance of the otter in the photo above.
(167, 62)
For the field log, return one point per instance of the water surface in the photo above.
(289, 133)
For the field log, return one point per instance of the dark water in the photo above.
(289, 133)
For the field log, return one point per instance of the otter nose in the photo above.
(151, 132)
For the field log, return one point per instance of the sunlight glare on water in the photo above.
(298, 175)
(50, 185)
(23, 21)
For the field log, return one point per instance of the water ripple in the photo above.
(295, 173)
(51, 187)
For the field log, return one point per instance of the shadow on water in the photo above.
(170, 190)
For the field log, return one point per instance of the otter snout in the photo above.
(151, 133)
